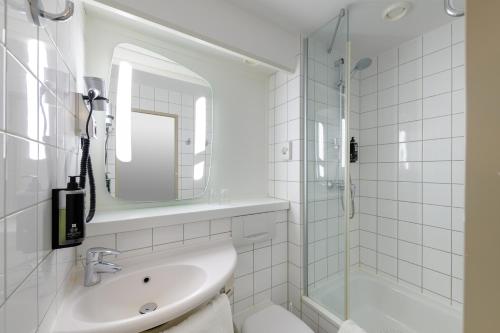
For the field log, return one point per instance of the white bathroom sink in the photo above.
(176, 282)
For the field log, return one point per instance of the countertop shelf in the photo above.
(113, 221)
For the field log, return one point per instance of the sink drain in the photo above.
(148, 307)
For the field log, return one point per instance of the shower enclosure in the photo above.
(327, 54)
(384, 233)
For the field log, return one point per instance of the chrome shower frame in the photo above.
(340, 16)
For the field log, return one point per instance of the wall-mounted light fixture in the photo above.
(124, 113)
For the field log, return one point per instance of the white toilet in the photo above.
(270, 318)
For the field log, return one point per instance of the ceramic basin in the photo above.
(176, 282)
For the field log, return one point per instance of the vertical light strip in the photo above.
(200, 125)
(200, 135)
(199, 170)
(321, 150)
(124, 113)
(32, 99)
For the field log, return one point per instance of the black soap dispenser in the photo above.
(68, 215)
(353, 150)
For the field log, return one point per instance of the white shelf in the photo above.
(108, 222)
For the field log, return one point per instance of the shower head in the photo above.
(363, 63)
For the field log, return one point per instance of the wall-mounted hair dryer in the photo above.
(95, 100)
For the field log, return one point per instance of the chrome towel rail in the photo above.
(450, 10)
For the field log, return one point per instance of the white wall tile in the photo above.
(387, 134)
(387, 60)
(437, 39)
(458, 149)
(108, 241)
(168, 234)
(410, 232)
(21, 173)
(388, 227)
(387, 153)
(458, 54)
(388, 116)
(410, 91)
(437, 106)
(410, 71)
(437, 216)
(436, 282)
(21, 248)
(410, 151)
(47, 284)
(132, 240)
(410, 252)
(368, 86)
(437, 238)
(458, 30)
(387, 79)
(388, 97)
(437, 62)
(262, 258)
(437, 128)
(411, 131)
(436, 84)
(437, 194)
(410, 171)
(410, 273)
(409, 191)
(196, 229)
(458, 101)
(458, 81)
(436, 172)
(410, 111)
(437, 150)
(21, 311)
(410, 50)
(458, 125)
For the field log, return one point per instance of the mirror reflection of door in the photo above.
(150, 176)
(158, 143)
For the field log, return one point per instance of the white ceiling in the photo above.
(369, 33)
(295, 15)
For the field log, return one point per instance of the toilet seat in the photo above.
(274, 319)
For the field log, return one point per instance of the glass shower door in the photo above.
(326, 174)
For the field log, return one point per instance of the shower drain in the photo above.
(148, 307)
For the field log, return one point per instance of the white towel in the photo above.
(215, 317)
(349, 326)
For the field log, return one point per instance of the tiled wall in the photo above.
(261, 271)
(285, 120)
(38, 150)
(412, 127)
(164, 95)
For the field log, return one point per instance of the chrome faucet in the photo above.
(94, 265)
